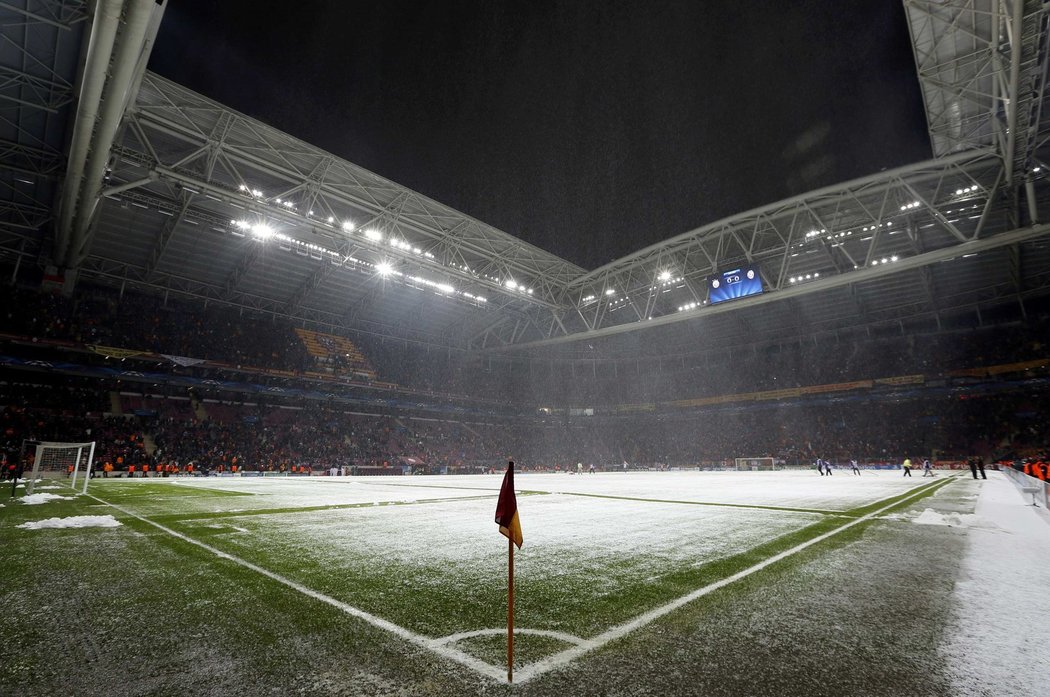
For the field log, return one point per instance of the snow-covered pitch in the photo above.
(612, 562)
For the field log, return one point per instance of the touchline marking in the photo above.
(441, 646)
(562, 659)
(437, 646)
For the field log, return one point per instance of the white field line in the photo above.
(437, 646)
(562, 659)
(559, 660)
(567, 638)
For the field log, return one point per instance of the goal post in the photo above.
(756, 464)
(53, 460)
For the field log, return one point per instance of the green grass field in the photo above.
(398, 586)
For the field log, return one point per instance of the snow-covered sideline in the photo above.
(37, 499)
(998, 645)
(78, 521)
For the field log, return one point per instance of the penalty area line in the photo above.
(436, 646)
(564, 658)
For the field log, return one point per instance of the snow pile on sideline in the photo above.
(36, 499)
(78, 521)
(955, 520)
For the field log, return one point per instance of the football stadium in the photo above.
(273, 423)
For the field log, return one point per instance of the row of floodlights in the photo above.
(884, 260)
(264, 231)
(966, 190)
(814, 234)
(800, 277)
(909, 206)
(690, 306)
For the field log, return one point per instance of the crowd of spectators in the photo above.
(146, 323)
(278, 437)
(320, 436)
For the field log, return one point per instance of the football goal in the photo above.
(56, 460)
(756, 464)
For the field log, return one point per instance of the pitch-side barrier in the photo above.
(1038, 490)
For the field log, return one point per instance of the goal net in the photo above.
(50, 460)
(756, 464)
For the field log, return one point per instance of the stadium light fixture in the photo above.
(262, 231)
(384, 268)
(511, 283)
(664, 275)
(374, 235)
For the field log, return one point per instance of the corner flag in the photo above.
(507, 509)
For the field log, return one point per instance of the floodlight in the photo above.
(512, 284)
(373, 234)
(262, 231)
(384, 268)
(610, 291)
(664, 275)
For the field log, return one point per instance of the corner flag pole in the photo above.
(510, 610)
(509, 527)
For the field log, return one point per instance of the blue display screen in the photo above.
(738, 283)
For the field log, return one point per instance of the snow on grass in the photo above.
(463, 532)
(792, 489)
(79, 521)
(221, 494)
(37, 499)
(430, 567)
(424, 551)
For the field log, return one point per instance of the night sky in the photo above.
(590, 129)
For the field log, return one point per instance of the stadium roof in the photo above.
(171, 192)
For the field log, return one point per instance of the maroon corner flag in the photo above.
(507, 509)
(510, 527)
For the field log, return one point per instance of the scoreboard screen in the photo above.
(738, 283)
